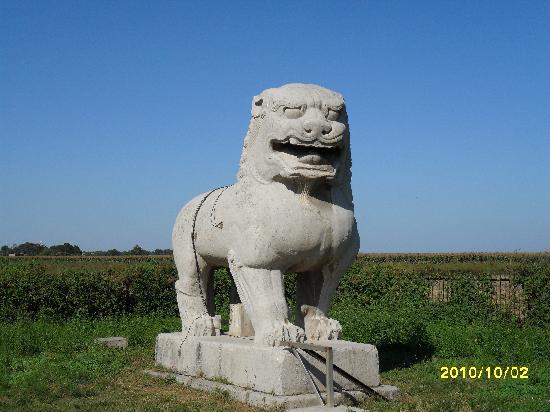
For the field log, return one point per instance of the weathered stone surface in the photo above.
(288, 401)
(114, 342)
(340, 408)
(239, 322)
(291, 210)
(269, 400)
(263, 369)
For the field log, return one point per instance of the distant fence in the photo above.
(505, 294)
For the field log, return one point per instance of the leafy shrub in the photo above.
(31, 291)
(388, 301)
(535, 282)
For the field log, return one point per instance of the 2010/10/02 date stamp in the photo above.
(484, 372)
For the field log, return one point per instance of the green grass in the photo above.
(480, 344)
(423, 389)
(58, 366)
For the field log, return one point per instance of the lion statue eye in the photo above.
(293, 112)
(333, 114)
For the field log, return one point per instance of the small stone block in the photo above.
(239, 322)
(114, 342)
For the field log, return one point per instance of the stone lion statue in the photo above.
(291, 210)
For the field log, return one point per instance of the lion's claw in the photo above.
(318, 326)
(282, 331)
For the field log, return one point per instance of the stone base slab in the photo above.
(266, 400)
(264, 371)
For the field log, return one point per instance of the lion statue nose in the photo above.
(316, 128)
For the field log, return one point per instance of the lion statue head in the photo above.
(297, 132)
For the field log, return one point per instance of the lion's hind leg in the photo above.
(194, 287)
(194, 291)
(195, 304)
(262, 293)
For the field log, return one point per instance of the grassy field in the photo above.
(58, 366)
(51, 362)
(486, 262)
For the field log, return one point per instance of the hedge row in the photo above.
(28, 290)
(466, 257)
(480, 261)
(367, 291)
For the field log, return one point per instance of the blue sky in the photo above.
(114, 114)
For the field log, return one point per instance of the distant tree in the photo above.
(66, 249)
(137, 250)
(113, 252)
(5, 250)
(162, 252)
(29, 249)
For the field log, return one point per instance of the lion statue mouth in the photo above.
(314, 156)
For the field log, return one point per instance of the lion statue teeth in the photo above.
(291, 210)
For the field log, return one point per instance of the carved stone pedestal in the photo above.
(265, 376)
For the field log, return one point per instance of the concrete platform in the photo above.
(265, 376)
(265, 400)
(325, 409)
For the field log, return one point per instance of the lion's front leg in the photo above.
(314, 291)
(262, 294)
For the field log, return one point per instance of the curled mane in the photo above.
(249, 140)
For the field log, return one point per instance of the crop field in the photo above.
(424, 312)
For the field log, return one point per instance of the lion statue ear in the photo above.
(258, 106)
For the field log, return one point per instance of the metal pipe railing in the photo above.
(312, 349)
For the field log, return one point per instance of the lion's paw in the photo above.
(323, 329)
(281, 331)
(318, 326)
